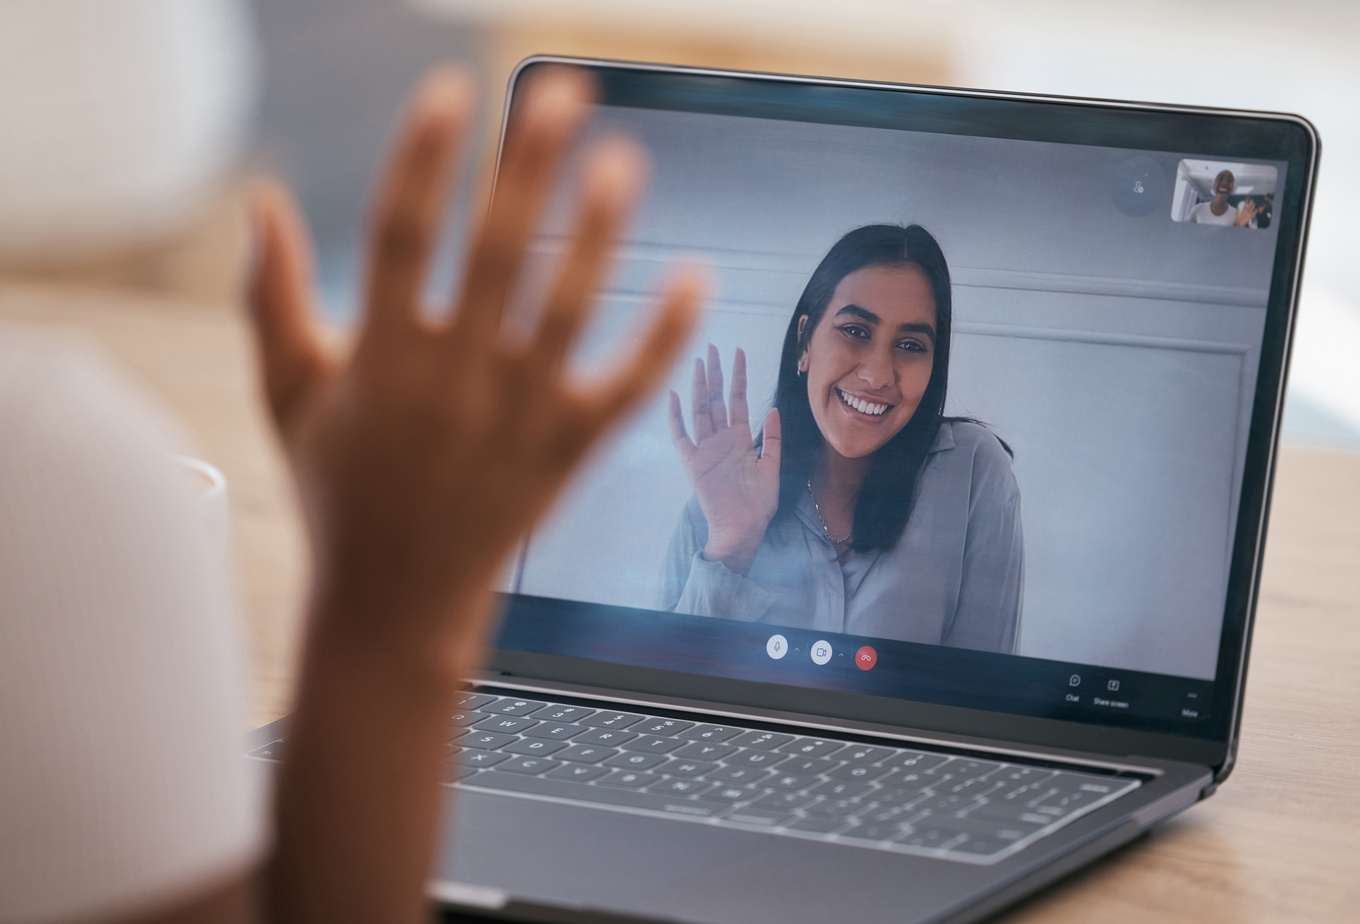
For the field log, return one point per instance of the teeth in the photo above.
(864, 407)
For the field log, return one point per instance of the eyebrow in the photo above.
(865, 314)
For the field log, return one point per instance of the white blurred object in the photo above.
(116, 118)
(1323, 369)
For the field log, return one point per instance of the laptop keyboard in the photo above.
(900, 799)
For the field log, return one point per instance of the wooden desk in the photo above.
(1279, 842)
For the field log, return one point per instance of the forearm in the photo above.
(358, 799)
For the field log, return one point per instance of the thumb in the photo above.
(293, 358)
(771, 442)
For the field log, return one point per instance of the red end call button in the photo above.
(866, 658)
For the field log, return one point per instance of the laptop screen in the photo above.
(966, 421)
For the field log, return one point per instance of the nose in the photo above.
(876, 371)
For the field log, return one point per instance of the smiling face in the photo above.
(869, 360)
(1224, 183)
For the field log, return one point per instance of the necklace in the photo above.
(838, 543)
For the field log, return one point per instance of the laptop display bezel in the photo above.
(1219, 133)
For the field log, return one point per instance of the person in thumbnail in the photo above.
(861, 509)
(1218, 211)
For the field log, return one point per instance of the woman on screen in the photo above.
(861, 509)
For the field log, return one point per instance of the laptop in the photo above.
(1048, 337)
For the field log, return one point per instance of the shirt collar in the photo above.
(944, 438)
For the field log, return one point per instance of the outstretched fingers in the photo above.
(676, 417)
(614, 177)
(553, 109)
(292, 354)
(771, 442)
(698, 401)
(410, 201)
(741, 413)
(716, 408)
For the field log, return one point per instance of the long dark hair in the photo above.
(889, 491)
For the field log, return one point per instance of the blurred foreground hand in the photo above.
(424, 452)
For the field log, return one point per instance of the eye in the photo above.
(912, 346)
(857, 331)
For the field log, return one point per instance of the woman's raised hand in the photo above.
(424, 452)
(737, 487)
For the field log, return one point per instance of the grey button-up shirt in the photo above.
(954, 578)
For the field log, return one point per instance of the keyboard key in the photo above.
(792, 782)
(812, 747)
(746, 775)
(863, 754)
(586, 754)
(765, 817)
(563, 714)
(688, 767)
(710, 733)
(465, 717)
(608, 737)
(554, 730)
(472, 758)
(946, 805)
(755, 759)
(733, 794)
(1059, 803)
(653, 744)
(505, 724)
(630, 779)
(809, 766)
(818, 824)
(585, 792)
(611, 720)
(897, 796)
(662, 726)
(765, 741)
(893, 814)
(841, 789)
(635, 760)
(786, 801)
(510, 706)
(487, 741)
(1024, 775)
(473, 700)
(915, 760)
(910, 779)
(961, 767)
(701, 750)
(540, 747)
(582, 772)
(842, 808)
(679, 786)
(529, 765)
(863, 773)
(932, 836)
(999, 815)
(969, 786)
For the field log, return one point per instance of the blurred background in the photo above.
(130, 131)
(131, 126)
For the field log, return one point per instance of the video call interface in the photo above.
(1013, 383)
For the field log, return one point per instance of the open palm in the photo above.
(737, 487)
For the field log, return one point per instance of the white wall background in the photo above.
(1116, 355)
